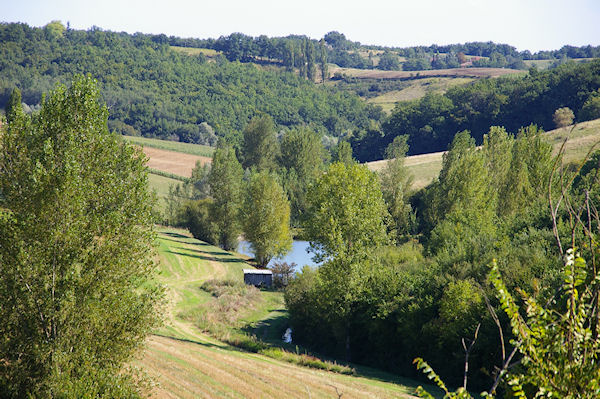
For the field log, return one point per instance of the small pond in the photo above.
(297, 255)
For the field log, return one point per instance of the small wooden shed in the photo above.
(258, 277)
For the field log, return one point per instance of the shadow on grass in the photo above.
(191, 341)
(210, 258)
(202, 251)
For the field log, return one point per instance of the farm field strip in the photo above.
(177, 146)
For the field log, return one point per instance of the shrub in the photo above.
(563, 117)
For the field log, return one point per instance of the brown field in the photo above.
(173, 162)
(453, 72)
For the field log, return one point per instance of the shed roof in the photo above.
(257, 271)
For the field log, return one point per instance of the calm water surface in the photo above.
(297, 255)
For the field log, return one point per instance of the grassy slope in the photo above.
(427, 167)
(417, 89)
(186, 148)
(160, 185)
(189, 364)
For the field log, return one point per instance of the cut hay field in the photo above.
(582, 137)
(195, 51)
(187, 363)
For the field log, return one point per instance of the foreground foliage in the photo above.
(76, 300)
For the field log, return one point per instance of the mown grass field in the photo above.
(160, 185)
(417, 89)
(185, 362)
(581, 138)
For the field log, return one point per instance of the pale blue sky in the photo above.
(525, 24)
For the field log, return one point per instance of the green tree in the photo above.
(260, 148)
(225, 181)
(389, 61)
(323, 60)
(302, 155)
(342, 153)
(13, 107)
(346, 212)
(55, 29)
(76, 266)
(266, 218)
(396, 183)
(197, 218)
(591, 108)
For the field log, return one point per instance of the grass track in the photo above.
(189, 364)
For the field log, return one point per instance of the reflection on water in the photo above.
(297, 255)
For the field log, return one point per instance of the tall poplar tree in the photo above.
(266, 218)
(76, 270)
(225, 181)
(260, 147)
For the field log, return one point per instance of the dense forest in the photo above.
(156, 92)
(432, 121)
